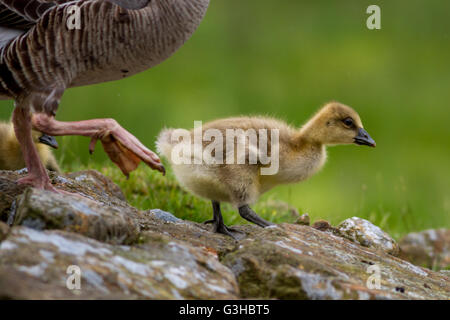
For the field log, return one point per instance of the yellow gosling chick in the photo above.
(11, 157)
(207, 162)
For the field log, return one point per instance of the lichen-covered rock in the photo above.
(169, 258)
(41, 209)
(89, 184)
(9, 190)
(429, 248)
(445, 272)
(35, 265)
(164, 216)
(98, 182)
(367, 234)
(300, 262)
(196, 234)
(323, 225)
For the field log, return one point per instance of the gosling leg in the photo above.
(217, 221)
(248, 214)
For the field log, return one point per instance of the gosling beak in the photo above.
(48, 140)
(363, 138)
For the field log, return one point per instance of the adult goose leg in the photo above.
(124, 149)
(37, 176)
(248, 214)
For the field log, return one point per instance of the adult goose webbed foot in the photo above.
(124, 149)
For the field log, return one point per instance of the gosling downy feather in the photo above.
(302, 152)
(11, 157)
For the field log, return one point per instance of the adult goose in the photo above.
(47, 46)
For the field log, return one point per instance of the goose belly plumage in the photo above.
(112, 43)
(47, 46)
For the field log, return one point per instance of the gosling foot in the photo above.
(223, 229)
(248, 214)
(219, 226)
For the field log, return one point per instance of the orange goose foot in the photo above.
(37, 176)
(124, 149)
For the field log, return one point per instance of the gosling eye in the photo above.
(348, 122)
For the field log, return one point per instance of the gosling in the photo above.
(11, 157)
(301, 153)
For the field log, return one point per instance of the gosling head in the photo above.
(38, 137)
(43, 138)
(335, 124)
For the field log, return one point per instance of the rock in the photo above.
(125, 253)
(164, 216)
(98, 182)
(322, 225)
(366, 234)
(40, 209)
(195, 234)
(429, 248)
(303, 220)
(299, 262)
(38, 263)
(90, 184)
(8, 192)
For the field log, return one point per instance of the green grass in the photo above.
(285, 58)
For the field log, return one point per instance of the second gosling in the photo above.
(302, 152)
(11, 157)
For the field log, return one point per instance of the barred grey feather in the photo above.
(41, 56)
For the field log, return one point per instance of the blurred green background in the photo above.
(285, 58)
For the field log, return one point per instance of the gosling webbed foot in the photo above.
(248, 214)
(223, 229)
(218, 225)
